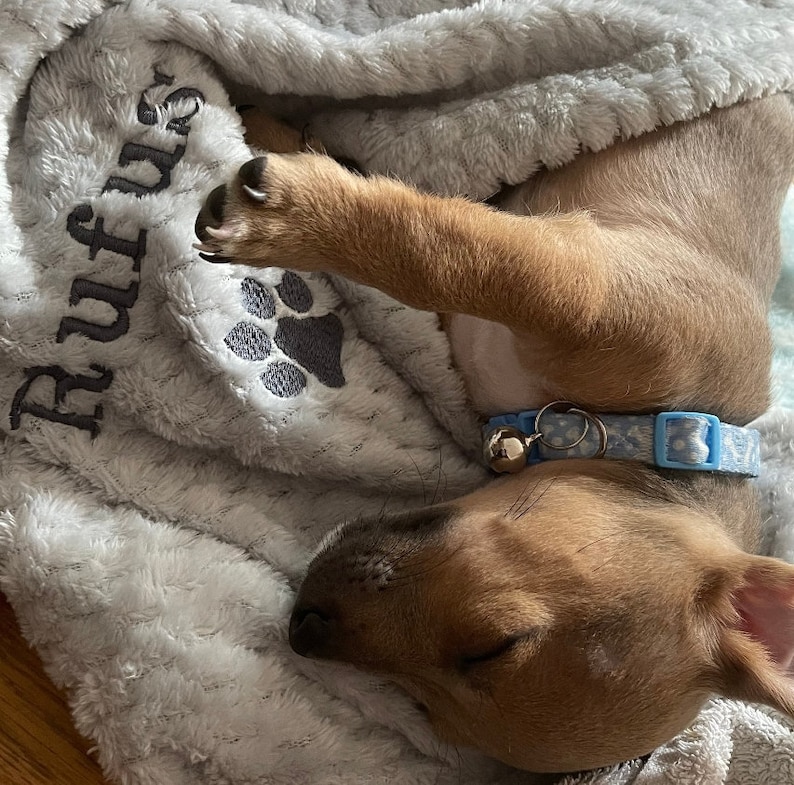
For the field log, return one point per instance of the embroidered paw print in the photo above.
(311, 344)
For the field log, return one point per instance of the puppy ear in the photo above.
(756, 637)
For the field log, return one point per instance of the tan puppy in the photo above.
(579, 613)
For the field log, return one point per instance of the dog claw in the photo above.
(208, 254)
(255, 194)
(218, 233)
(213, 257)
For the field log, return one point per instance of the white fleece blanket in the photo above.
(177, 436)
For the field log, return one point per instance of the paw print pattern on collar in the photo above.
(312, 344)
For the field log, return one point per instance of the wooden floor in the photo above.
(38, 745)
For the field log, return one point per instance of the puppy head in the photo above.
(563, 620)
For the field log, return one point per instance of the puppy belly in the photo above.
(496, 379)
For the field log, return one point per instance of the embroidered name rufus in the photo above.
(87, 228)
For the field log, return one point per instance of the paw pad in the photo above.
(257, 300)
(312, 344)
(284, 379)
(294, 292)
(248, 341)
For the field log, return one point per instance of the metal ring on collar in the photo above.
(587, 418)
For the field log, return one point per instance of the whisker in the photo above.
(536, 499)
(522, 496)
(400, 579)
(416, 547)
(604, 563)
(600, 539)
(421, 479)
(441, 473)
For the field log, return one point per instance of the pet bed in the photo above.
(177, 436)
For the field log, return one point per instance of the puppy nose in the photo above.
(309, 631)
(211, 213)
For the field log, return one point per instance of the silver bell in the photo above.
(505, 450)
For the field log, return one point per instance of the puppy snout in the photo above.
(310, 631)
(211, 213)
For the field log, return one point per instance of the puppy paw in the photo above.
(264, 132)
(279, 211)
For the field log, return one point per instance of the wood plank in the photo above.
(38, 743)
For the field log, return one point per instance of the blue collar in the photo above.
(670, 440)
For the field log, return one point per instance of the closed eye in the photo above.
(467, 661)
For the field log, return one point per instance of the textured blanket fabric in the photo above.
(178, 436)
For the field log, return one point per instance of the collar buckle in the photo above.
(674, 434)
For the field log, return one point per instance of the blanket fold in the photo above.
(179, 436)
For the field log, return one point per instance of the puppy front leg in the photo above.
(448, 255)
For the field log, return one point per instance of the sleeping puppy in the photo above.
(577, 613)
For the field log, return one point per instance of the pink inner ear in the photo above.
(766, 614)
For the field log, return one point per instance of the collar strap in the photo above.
(670, 440)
